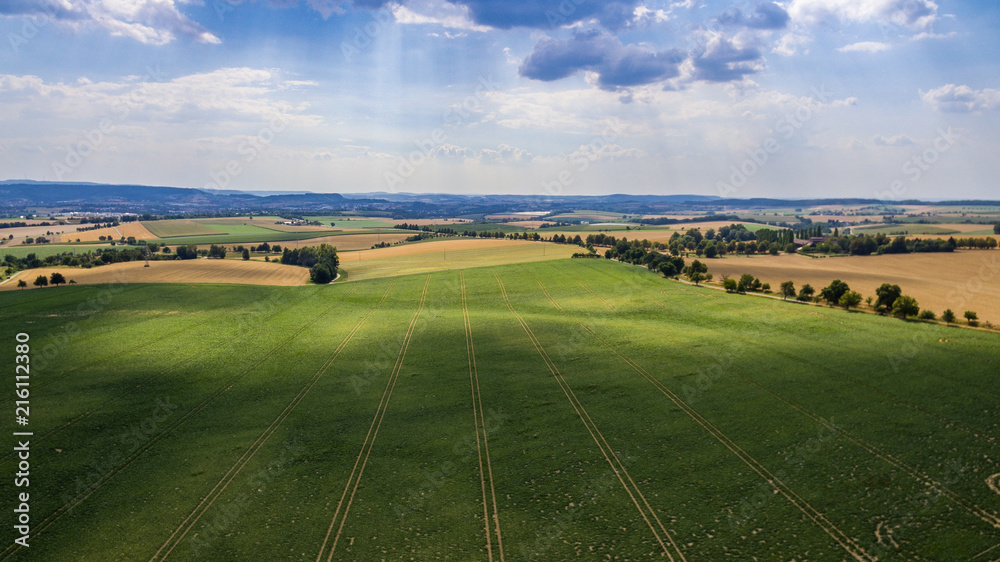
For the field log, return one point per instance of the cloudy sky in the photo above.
(889, 99)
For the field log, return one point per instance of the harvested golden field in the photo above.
(22, 232)
(127, 229)
(963, 280)
(175, 271)
(448, 254)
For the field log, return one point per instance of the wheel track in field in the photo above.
(606, 304)
(482, 445)
(606, 450)
(357, 471)
(102, 405)
(969, 506)
(93, 487)
(546, 291)
(220, 487)
(847, 543)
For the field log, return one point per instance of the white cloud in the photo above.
(153, 22)
(897, 140)
(913, 14)
(447, 14)
(865, 47)
(222, 96)
(961, 99)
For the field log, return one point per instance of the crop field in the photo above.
(440, 255)
(550, 411)
(173, 271)
(350, 241)
(961, 280)
(178, 227)
(938, 230)
(136, 229)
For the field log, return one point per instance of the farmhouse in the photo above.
(811, 241)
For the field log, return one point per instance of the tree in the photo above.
(886, 295)
(729, 285)
(790, 248)
(948, 316)
(246, 255)
(41, 281)
(57, 278)
(21, 283)
(972, 317)
(746, 283)
(905, 306)
(711, 251)
(806, 293)
(850, 299)
(832, 292)
(787, 290)
(996, 228)
(696, 277)
(215, 251)
(928, 314)
(188, 252)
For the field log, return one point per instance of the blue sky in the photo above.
(890, 99)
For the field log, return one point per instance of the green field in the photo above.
(178, 227)
(353, 222)
(547, 411)
(43, 251)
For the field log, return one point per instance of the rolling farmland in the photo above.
(553, 410)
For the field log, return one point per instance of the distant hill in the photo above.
(19, 194)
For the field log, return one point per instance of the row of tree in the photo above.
(889, 298)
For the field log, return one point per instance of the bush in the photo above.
(927, 315)
(730, 285)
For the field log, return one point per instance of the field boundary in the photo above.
(482, 445)
(847, 543)
(369, 443)
(237, 467)
(616, 465)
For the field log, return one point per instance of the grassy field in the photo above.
(178, 227)
(568, 409)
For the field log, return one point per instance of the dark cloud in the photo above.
(617, 65)
(721, 60)
(548, 14)
(767, 15)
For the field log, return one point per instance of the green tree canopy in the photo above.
(787, 289)
(886, 295)
(905, 306)
(832, 292)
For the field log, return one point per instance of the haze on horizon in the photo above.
(891, 99)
